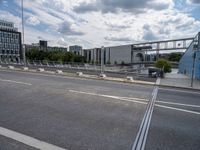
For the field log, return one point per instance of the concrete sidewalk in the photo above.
(179, 80)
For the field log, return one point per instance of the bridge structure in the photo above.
(165, 45)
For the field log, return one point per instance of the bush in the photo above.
(162, 63)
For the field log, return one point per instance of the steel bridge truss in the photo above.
(166, 45)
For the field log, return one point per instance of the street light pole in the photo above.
(102, 50)
(23, 45)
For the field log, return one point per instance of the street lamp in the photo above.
(23, 45)
(102, 50)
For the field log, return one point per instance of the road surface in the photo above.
(72, 113)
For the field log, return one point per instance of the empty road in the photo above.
(39, 111)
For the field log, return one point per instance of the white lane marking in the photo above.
(158, 81)
(30, 141)
(17, 82)
(136, 100)
(180, 104)
(179, 109)
(140, 101)
(182, 91)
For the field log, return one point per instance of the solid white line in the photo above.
(179, 109)
(180, 104)
(17, 82)
(136, 100)
(30, 141)
(182, 91)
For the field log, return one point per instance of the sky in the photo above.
(96, 23)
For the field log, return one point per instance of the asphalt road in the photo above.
(83, 114)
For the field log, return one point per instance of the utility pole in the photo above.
(23, 45)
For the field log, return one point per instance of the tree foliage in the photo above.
(175, 57)
(35, 54)
(163, 64)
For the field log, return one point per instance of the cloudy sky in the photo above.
(93, 23)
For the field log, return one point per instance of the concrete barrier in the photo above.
(129, 78)
(102, 75)
(79, 73)
(41, 69)
(11, 67)
(25, 68)
(59, 71)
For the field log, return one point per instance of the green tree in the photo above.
(175, 57)
(163, 64)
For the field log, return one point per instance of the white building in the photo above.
(125, 54)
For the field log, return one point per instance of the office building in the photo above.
(10, 42)
(43, 46)
(76, 49)
(125, 54)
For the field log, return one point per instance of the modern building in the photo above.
(43, 46)
(190, 62)
(10, 42)
(76, 49)
(125, 54)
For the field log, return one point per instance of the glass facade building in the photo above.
(191, 58)
(10, 42)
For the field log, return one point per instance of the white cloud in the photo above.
(33, 20)
(136, 22)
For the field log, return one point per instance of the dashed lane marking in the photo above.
(140, 101)
(178, 109)
(17, 82)
(136, 100)
(178, 104)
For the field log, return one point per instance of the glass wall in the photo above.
(192, 54)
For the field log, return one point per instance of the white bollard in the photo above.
(25, 68)
(41, 69)
(129, 78)
(102, 75)
(11, 67)
(59, 71)
(79, 73)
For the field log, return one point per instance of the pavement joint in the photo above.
(140, 141)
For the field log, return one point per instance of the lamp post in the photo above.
(102, 50)
(23, 45)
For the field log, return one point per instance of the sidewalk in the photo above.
(179, 80)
